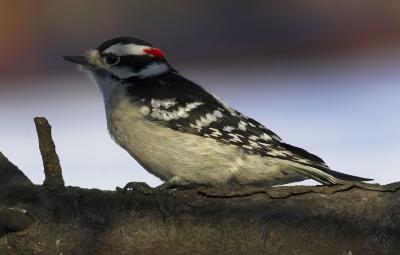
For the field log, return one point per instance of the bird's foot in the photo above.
(166, 188)
(175, 186)
(176, 183)
(144, 188)
(140, 187)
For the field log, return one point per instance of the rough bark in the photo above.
(345, 219)
(51, 163)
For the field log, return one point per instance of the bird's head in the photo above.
(123, 58)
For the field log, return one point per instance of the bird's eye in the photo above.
(111, 59)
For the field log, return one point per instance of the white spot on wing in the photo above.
(254, 144)
(235, 138)
(278, 153)
(265, 137)
(303, 161)
(253, 137)
(242, 125)
(215, 132)
(228, 128)
(181, 112)
(218, 114)
(191, 106)
(211, 117)
(155, 103)
(265, 144)
(207, 119)
(144, 110)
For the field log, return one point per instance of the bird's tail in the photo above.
(330, 177)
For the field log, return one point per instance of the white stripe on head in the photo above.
(153, 70)
(148, 71)
(126, 49)
(123, 72)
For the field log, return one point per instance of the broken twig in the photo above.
(51, 163)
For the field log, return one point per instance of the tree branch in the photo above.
(282, 192)
(13, 220)
(51, 163)
(10, 175)
(346, 219)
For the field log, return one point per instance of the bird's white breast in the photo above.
(169, 153)
(166, 152)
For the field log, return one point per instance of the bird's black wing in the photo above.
(180, 104)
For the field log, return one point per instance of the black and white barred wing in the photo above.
(211, 118)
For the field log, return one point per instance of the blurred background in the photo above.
(322, 74)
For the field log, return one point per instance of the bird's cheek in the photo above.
(122, 72)
(94, 59)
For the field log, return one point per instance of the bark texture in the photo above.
(51, 163)
(345, 219)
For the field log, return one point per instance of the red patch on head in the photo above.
(155, 52)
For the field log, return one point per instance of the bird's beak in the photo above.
(81, 60)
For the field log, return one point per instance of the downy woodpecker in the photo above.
(184, 134)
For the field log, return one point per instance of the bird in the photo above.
(186, 135)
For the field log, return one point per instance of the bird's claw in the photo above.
(144, 188)
(166, 188)
(140, 187)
